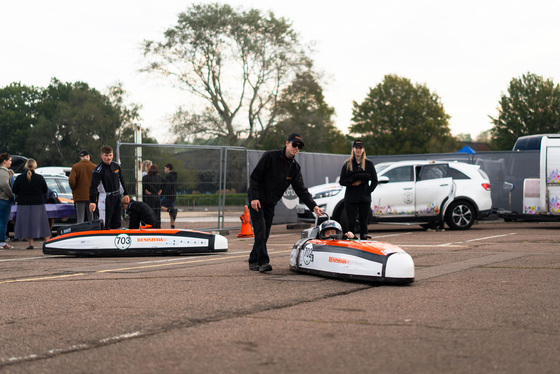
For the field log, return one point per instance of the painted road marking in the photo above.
(389, 235)
(42, 278)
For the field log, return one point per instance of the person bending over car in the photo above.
(275, 172)
(139, 212)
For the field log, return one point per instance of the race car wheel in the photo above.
(460, 215)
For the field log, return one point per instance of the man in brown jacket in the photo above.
(80, 181)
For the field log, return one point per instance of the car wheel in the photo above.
(460, 215)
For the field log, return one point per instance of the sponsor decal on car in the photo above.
(338, 260)
(290, 199)
(308, 254)
(149, 239)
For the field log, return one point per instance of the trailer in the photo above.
(541, 195)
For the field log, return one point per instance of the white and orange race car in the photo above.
(364, 260)
(133, 242)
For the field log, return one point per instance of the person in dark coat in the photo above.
(32, 221)
(275, 172)
(360, 178)
(107, 189)
(152, 185)
(139, 212)
(170, 193)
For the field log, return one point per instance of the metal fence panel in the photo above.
(211, 186)
(213, 181)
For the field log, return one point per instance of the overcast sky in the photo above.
(466, 52)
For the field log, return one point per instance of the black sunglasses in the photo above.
(297, 145)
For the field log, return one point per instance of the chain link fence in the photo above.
(211, 185)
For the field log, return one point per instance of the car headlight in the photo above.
(328, 193)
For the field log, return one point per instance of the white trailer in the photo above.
(541, 196)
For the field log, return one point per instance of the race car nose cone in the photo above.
(220, 243)
(400, 266)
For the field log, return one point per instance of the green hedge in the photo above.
(210, 200)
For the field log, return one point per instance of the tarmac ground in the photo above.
(484, 300)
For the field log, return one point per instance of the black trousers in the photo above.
(262, 222)
(357, 210)
(113, 211)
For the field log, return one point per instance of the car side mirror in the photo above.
(383, 180)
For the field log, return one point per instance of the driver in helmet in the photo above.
(331, 229)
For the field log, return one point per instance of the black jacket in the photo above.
(170, 188)
(106, 178)
(139, 211)
(153, 184)
(361, 193)
(271, 177)
(30, 192)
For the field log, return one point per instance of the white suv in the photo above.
(423, 192)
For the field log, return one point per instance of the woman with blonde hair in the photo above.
(359, 176)
(145, 167)
(31, 220)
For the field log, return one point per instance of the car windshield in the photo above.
(52, 185)
(380, 167)
(64, 186)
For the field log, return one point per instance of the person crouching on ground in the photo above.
(138, 212)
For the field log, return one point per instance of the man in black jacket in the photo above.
(274, 173)
(106, 190)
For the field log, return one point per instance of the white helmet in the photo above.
(330, 225)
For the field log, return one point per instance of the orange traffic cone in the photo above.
(246, 228)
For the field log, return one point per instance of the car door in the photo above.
(432, 187)
(396, 197)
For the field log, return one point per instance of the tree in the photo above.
(17, 116)
(532, 106)
(237, 61)
(484, 136)
(71, 117)
(52, 124)
(398, 117)
(464, 137)
(302, 109)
